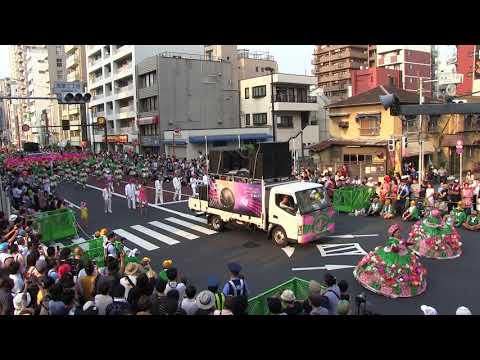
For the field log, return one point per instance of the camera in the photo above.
(360, 299)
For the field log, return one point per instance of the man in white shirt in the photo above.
(107, 198)
(130, 194)
(194, 184)
(177, 185)
(159, 190)
(205, 179)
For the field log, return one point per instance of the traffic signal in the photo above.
(73, 98)
(65, 124)
(404, 142)
(391, 145)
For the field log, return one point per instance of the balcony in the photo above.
(370, 132)
(98, 97)
(335, 87)
(107, 75)
(94, 63)
(124, 91)
(125, 112)
(125, 70)
(292, 103)
(295, 99)
(72, 60)
(95, 81)
(73, 75)
(335, 77)
(119, 52)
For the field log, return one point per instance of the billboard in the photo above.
(236, 197)
(477, 62)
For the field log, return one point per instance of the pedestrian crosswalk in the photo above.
(155, 234)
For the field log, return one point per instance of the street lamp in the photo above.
(268, 68)
(420, 134)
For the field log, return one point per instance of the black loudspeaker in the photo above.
(272, 160)
(31, 147)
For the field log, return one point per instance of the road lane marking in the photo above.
(174, 230)
(340, 249)
(136, 240)
(351, 236)
(187, 216)
(156, 235)
(191, 226)
(326, 267)
(288, 250)
(174, 202)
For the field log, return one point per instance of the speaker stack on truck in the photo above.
(270, 160)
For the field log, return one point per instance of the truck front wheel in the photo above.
(279, 236)
(217, 223)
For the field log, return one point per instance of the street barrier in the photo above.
(258, 305)
(349, 199)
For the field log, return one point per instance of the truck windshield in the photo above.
(310, 200)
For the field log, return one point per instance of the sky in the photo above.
(293, 59)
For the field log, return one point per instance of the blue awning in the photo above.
(228, 138)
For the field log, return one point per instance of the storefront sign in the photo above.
(119, 139)
(148, 120)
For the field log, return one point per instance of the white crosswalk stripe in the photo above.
(191, 226)
(174, 230)
(154, 234)
(136, 240)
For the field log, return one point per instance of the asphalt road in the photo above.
(198, 252)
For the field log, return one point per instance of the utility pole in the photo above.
(420, 138)
(273, 108)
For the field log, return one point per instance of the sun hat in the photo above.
(428, 310)
(288, 296)
(12, 218)
(19, 302)
(462, 310)
(132, 268)
(205, 300)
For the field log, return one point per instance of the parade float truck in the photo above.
(288, 210)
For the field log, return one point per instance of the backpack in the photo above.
(237, 289)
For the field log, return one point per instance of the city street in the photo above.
(172, 231)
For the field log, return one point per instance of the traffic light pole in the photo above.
(106, 136)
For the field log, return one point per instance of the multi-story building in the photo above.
(187, 93)
(367, 79)
(333, 65)
(465, 65)
(292, 105)
(76, 70)
(414, 61)
(111, 82)
(4, 112)
(372, 56)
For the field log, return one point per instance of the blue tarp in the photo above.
(228, 138)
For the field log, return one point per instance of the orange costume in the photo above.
(385, 189)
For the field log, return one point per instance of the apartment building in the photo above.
(292, 104)
(111, 74)
(184, 92)
(76, 70)
(372, 56)
(333, 65)
(367, 79)
(465, 64)
(414, 61)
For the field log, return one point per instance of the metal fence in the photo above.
(360, 169)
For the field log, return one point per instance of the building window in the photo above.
(148, 79)
(259, 91)
(260, 119)
(433, 123)
(411, 124)
(472, 123)
(286, 122)
(59, 63)
(263, 69)
(247, 119)
(256, 68)
(369, 126)
(247, 93)
(148, 104)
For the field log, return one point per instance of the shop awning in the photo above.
(177, 142)
(414, 148)
(228, 138)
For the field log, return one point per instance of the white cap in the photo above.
(462, 310)
(428, 310)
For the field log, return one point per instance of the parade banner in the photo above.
(316, 224)
(348, 199)
(56, 225)
(241, 198)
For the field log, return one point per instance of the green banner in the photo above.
(349, 199)
(56, 225)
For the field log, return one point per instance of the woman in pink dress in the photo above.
(142, 199)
